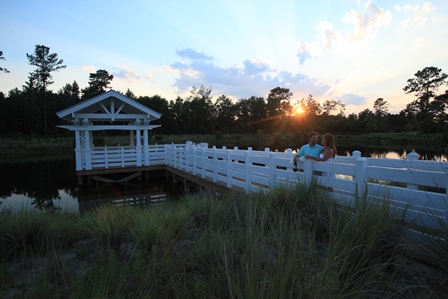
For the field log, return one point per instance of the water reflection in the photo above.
(52, 185)
(391, 154)
(133, 193)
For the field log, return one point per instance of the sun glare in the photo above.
(299, 110)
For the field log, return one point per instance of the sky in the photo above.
(354, 51)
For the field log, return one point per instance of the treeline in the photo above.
(32, 109)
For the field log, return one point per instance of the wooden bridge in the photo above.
(417, 187)
(411, 185)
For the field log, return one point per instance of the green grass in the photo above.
(287, 243)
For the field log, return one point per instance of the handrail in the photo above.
(417, 187)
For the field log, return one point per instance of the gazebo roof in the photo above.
(109, 106)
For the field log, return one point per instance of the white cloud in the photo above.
(328, 34)
(419, 16)
(352, 99)
(368, 23)
(89, 68)
(128, 75)
(255, 78)
(304, 50)
(193, 54)
(255, 67)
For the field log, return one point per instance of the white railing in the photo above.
(417, 187)
(121, 156)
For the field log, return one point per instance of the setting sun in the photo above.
(299, 110)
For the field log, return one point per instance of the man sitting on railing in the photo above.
(311, 148)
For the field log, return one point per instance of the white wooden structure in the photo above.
(417, 188)
(105, 112)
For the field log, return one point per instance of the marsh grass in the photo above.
(28, 233)
(109, 225)
(291, 242)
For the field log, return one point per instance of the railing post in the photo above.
(446, 196)
(106, 157)
(229, 169)
(88, 151)
(204, 162)
(174, 153)
(146, 147)
(360, 174)
(413, 156)
(289, 151)
(138, 148)
(356, 154)
(308, 171)
(272, 169)
(215, 164)
(194, 160)
(78, 151)
(248, 164)
(166, 152)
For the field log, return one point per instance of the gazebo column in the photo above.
(146, 146)
(78, 151)
(131, 138)
(88, 150)
(138, 147)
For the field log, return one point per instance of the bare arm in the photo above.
(328, 153)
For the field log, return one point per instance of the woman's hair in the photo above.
(329, 141)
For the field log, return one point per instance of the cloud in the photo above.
(419, 15)
(329, 36)
(193, 55)
(303, 51)
(352, 99)
(367, 23)
(255, 67)
(254, 78)
(125, 74)
(89, 68)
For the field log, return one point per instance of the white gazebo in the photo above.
(106, 112)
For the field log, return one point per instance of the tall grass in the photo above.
(286, 243)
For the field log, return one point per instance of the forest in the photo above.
(31, 109)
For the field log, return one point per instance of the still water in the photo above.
(47, 185)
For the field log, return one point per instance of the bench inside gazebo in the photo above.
(110, 111)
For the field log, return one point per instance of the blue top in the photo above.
(310, 150)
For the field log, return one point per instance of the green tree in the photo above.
(381, 108)
(251, 114)
(366, 120)
(424, 86)
(98, 83)
(2, 69)
(310, 106)
(46, 63)
(70, 91)
(160, 105)
(181, 116)
(130, 94)
(278, 102)
(225, 114)
(202, 110)
(332, 105)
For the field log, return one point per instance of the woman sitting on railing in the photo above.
(327, 154)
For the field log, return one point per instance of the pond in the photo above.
(47, 185)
